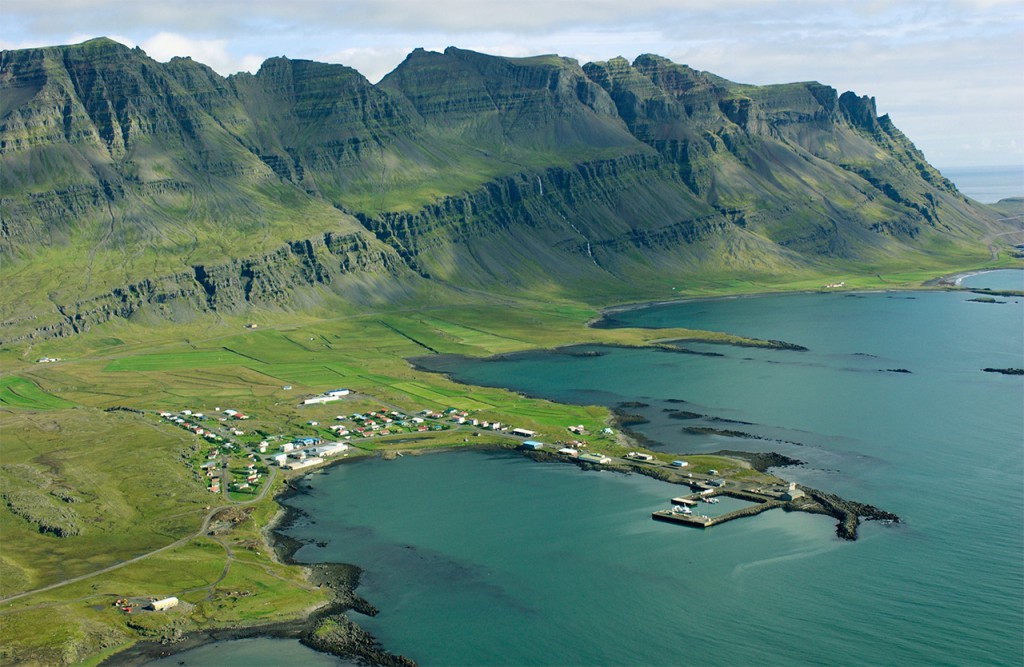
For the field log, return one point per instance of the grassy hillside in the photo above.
(159, 191)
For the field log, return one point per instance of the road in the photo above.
(173, 545)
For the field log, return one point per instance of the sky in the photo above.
(950, 73)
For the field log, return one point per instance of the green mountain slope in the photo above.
(132, 188)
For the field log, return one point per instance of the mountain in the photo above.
(133, 188)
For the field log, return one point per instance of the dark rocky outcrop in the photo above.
(1005, 371)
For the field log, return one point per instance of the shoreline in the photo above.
(326, 628)
(943, 281)
(323, 627)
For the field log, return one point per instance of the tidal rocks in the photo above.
(762, 461)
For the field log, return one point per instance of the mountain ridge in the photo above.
(125, 183)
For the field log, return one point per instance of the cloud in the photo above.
(212, 52)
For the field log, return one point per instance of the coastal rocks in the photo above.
(682, 414)
(1005, 371)
(848, 512)
(340, 636)
(762, 461)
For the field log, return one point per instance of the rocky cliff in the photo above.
(133, 188)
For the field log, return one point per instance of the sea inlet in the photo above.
(490, 558)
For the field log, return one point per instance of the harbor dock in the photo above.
(701, 521)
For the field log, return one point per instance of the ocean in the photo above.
(490, 558)
(988, 184)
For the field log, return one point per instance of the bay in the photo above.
(490, 558)
(1003, 279)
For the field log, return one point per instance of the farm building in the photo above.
(164, 604)
(595, 458)
(523, 432)
(320, 399)
(532, 444)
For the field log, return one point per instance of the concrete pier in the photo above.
(706, 522)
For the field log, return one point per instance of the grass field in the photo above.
(16, 392)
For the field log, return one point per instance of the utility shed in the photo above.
(532, 444)
(165, 604)
(793, 493)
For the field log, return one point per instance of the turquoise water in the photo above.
(1004, 279)
(489, 558)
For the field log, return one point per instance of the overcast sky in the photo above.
(950, 73)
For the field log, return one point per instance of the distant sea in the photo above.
(988, 184)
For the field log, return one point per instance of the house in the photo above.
(164, 604)
(281, 459)
(287, 447)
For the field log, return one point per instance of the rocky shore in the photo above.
(326, 629)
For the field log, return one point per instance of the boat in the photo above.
(681, 509)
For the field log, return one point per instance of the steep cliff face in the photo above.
(518, 104)
(352, 267)
(132, 188)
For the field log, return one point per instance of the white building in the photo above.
(305, 463)
(163, 605)
(331, 449)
